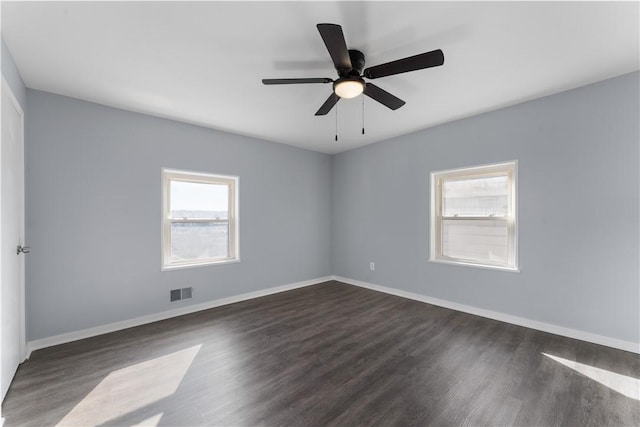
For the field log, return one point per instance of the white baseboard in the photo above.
(520, 321)
(124, 324)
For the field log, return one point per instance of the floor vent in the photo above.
(180, 294)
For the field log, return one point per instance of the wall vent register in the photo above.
(180, 294)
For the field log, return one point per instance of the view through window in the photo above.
(473, 216)
(199, 218)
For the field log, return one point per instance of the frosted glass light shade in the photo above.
(349, 88)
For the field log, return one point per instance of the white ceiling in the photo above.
(202, 62)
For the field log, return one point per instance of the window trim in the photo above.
(481, 171)
(169, 175)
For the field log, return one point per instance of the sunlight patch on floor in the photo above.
(150, 422)
(132, 388)
(623, 384)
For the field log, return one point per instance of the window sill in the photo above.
(199, 264)
(470, 264)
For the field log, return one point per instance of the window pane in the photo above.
(484, 241)
(198, 241)
(197, 200)
(476, 197)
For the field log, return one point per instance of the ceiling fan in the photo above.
(349, 64)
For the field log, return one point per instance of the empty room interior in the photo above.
(320, 213)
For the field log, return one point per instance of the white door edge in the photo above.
(23, 347)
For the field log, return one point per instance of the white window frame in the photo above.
(169, 175)
(509, 169)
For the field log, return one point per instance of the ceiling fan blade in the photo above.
(295, 81)
(337, 47)
(411, 63)
(328, 104)
(383, 97)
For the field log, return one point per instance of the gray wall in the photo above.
(578, 160)
(93, 198)
(93, 211)
(12, 76)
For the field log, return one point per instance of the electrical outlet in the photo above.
(372, 266)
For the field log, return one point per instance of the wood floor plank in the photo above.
(330, 355)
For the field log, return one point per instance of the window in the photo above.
(199, 219)
(473, 216)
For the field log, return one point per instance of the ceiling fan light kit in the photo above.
(348, 87)
(351, 73)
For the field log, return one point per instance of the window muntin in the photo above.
(199, 219)
(473, 216)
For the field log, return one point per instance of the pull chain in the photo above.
(363, 114)
(336, 122)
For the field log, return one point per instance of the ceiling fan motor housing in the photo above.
(357, 62)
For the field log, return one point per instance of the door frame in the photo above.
(21, 259)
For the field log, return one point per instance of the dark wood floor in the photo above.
(325, 355)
